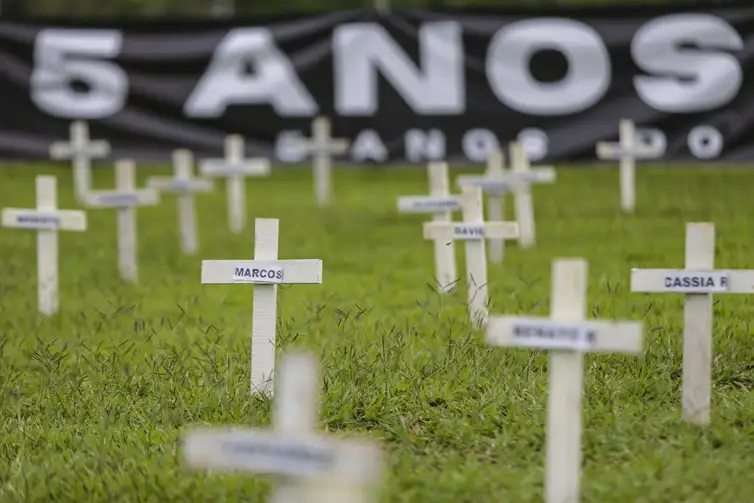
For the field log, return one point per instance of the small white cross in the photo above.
(125, 198)
(47, 220)
(265, 272)
(185, 185)
(309, 468)
(322, 147)
(627, 151)
(497, 181)
(440, 204)
(474, 230)
(698, 281)
(566, 334)
(81, 152)
(235, 168)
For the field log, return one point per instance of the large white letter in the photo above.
(226, 83)
(510, 52)
(693, 79)
(360, 49)
(65, 57)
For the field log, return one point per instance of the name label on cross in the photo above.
(696, 281)
(553, 335)
(37, 221)
(263, 275)
(116, 199)
(428, 204)
(468, 231)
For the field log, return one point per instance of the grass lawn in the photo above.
(93, 401)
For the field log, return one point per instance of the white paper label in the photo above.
(254, 274)
(280, 457)
(37, 221)
(492, 185)
(696, 281)
(428, 204)
(553, 335)
(468, 231)
(116, 199)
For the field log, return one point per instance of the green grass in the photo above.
(93, 401)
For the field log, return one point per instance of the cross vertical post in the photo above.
(522, 196)
(496, 202)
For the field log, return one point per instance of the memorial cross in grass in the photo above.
(185, 185)
(567, 335)
(474, 230)
(265, 272)
(321, 147)
(235, 168)
(125, 198)
(628, 149)
(440, 204)
(309, 468)
(80, 150)
(698, 282)
(47, 220)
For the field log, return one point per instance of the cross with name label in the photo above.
(125, 198)
(493, 183)
(567, 335)
(185, 185)
(309, 468)
(265, 272)
(47, 220)
(698, 281)
(234, 168)
(440, 204)
(321, 147)
(628, 149)
(80, 151)
(519, 181)
(474, 230)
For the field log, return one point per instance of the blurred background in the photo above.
(222, 8)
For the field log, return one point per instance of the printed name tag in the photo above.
(117, 199)
(280, 457)
(468, 231)
(254, 274)
(547, 335)
(495, 186)
(696, 281)
(428, 204)
(32, 221)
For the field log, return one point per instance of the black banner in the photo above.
(409, 86)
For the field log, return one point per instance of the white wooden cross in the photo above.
(81, 152)
(322, 147)
(441, 204)
(46, 219)
(474, 230)
(125, 198)
(628, 149)
(309, 468)
(265, 272)
(235, 168)
(497, 181)
(698, 281)
(185, 185)
(567, 335)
